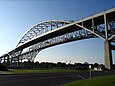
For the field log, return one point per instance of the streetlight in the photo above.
(90, 71)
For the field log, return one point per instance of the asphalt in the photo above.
(45, 79)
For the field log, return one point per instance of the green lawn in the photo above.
(20, 71)
(98, 81)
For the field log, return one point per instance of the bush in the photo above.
(104, 69)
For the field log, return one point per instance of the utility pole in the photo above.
(90, 72)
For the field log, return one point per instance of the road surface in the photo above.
(45, 79)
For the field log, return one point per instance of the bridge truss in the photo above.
(53, 32)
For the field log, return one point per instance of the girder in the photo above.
(73, 36)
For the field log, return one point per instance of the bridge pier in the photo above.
(19, 63)
(108, 55)
(4, 60)
(8, 61)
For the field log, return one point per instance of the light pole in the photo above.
(90, 71)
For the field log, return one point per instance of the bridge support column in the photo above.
(18, 62)
(107, 55)
(8, 61)
(11, 62)
(4, 61)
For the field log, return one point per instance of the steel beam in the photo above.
(111, 37)
(106, 26)
(90, 31)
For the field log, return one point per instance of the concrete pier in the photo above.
(108, 55)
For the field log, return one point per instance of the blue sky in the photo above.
(16, 17)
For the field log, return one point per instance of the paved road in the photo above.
(44, 79)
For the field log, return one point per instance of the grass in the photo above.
(20, 71)
(98, 81)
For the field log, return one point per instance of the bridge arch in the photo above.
(63, 33)
(34, 32)
(41, 28)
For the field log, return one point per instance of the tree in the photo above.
(61, 65)
(36, 64)
(96, 64)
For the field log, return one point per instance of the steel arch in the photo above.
(41, 28)
(35, 31)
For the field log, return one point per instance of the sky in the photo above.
(17, 16)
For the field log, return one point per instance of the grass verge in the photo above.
(98, 81)
(20, 71)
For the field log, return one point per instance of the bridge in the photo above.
(54, 32)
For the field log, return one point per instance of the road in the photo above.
(45, 79)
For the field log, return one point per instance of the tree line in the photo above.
(51, 65)
(58, 65)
